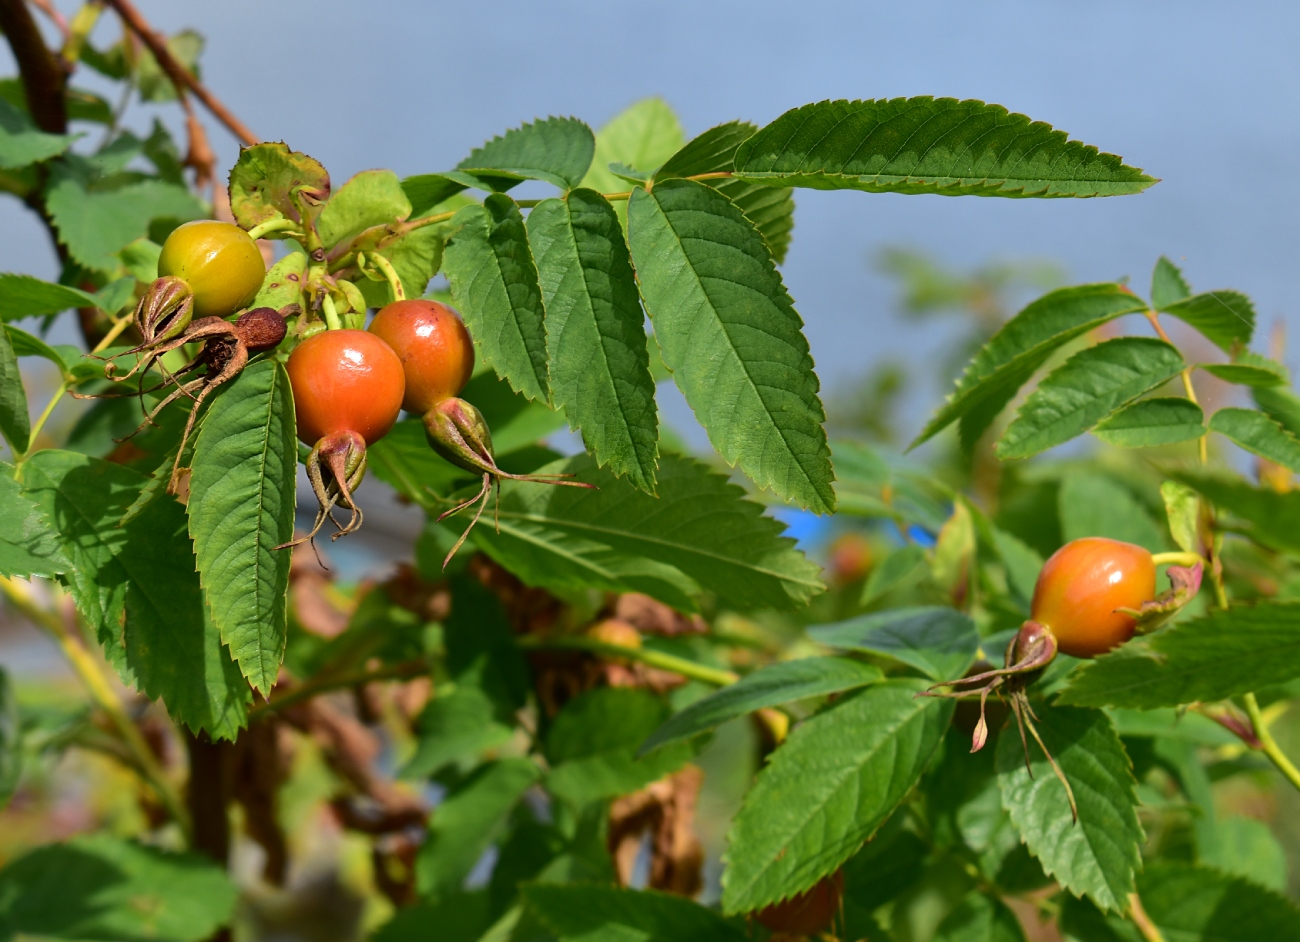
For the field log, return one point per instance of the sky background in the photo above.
(1202, 95)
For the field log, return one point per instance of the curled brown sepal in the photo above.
(335, 468)
(458, 432)
(1184, 583)
(165, 312)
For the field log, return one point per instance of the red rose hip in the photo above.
(436, 351)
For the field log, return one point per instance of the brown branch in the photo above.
(180, 76)
(44, 77)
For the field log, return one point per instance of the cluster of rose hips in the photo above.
(349, 385)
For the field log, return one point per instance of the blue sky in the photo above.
(1203, 95)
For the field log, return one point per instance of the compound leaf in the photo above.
(1084, 390)
(1020, 347)
(494, 280)
(729, 332)
(701, 534)
(1220, 655)
(1097, 855)
(929, 145)
(768, 686)
(939, 642)
(1258, 434)
(827, 789)
(595, 335)
(1151, 422)
(242, 495)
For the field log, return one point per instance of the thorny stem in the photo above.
(103, 694)
(667, 662)
(320, 685)
(180, 75)
(119, 325)
(1267, 744)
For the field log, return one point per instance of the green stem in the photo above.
(394, 282)
(1177, 559)
(114, 332)
(651, 658)
(331, 312)
(275, 225)
(1267, 744)
(102, 693)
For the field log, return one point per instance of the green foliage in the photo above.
(1167, 285)
(1198, 903)
(1226, 318)
(265, 179)
(699, 535)
(642, 136)
(929, 145)
(1023, 345)
(587, 912)
(724, 321)
(24, 296)
(283, 283)
(938, 642)
(10, 740)
(371, 198)
(980, 918)
(1257, 433)
(1150, 423)
(101, 887)
(1096, 505)
(468, 820)
(15, 424)
(95, 225)
(22, 143)
(1097, 855)
(1270, 518)
(770, 209)
(242, 497)
(494, 280)
(1220, 655)
(1086, 389)
(137, 588)
(555, 150)
(598, 361)
(783, 682)
(1249, 369)
(1282, 405)
(827, 789)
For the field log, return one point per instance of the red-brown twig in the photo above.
(179, 75)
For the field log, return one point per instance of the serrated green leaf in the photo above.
(494, 280)
(116, 295)
(283, 283)
(872, 483)
(1282, 405)
(1273, 517)
(827, 789)
(1250, 369)
(1220, 655)
(22, 143)
(930, 145)
(15, 423)
(642, 136)
(1021, 346)
(1226, 318)
(1182, 512)
(11, 757)
(468, 821)
(900, 568)
(427, 190)
(1021, 561)
(28, 547)
(1152, 422)
(729, 332)
(95, 226)
(416, 256)
(589, 913)
(1197, 904)
(29, 345)
(370, 198)
(102, 887)
(1084, 390)
(1246, 847)
(242, 494)
(768, 686)
(263, 179)
(26, 296)
(939, 642)
(1258, 434)
(136, 586)
(701, 534)
(595, 335)
(1097, 855)
(592, 745)
(770, 209)
(140, 257)
(980, 918)
(1167, 284)
(555, 150)
(1094, 504)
